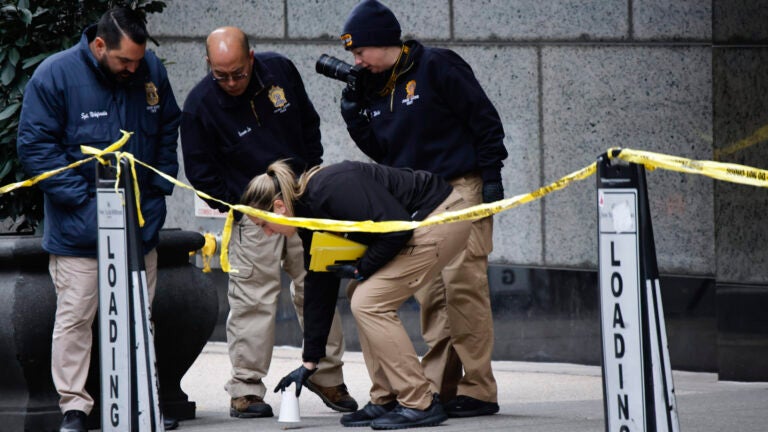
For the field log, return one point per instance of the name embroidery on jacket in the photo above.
(93, 114)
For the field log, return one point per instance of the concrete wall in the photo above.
(570, 78)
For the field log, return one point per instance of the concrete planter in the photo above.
(185, 310)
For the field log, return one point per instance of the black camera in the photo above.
(341, 70)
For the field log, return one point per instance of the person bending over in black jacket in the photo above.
(394, 266)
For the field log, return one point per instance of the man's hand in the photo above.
(492, 191)
(298, 376)
(345, 271)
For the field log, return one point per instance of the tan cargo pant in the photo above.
(389, 354)
(253, 293)
(77, 299)
(456, 318)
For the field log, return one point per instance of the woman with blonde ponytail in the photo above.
(394, 266)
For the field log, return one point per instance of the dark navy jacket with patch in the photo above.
(69, 102)
(228, 140)
(437, 119)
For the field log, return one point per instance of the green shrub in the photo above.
(30, 32)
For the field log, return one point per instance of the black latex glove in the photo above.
(492, 191)
(351, 110)
(298, 376)
(345, 271)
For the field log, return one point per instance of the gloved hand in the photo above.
(345, 271)
(298, 376)
(351, 109)
(492, 191)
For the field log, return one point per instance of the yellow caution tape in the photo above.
(208, 249)
(757, 137)
(729, 172)
(722, 171)
(97, 155)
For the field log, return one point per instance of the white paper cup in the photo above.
(289, 408)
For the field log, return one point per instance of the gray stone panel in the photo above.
(740, 21)
(655, 99)
(183, 18)
(510, 79)
(678, 19)
(741, 132)
(324, 19)
(535, 19)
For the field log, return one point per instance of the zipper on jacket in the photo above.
(253, 110)
(253, 104)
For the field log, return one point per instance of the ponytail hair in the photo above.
(278, 182)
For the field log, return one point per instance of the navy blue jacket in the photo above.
(359, 191)
(69, 102)
(228, 140)
(437, 119)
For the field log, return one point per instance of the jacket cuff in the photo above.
(490, 175)
(311, 357)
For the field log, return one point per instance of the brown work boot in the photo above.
(337, 397)
(249, 406)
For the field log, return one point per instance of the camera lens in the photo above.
(333, 67)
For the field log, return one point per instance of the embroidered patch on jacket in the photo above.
(277, 96)
(410, 92)
(346, 39)
(152, 97)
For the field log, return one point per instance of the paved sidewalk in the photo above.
(534, 397)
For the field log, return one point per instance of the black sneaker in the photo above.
(402, 417)
(364, 416)
(170, 423)
(466, 406)
(74, 421)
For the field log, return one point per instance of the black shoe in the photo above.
(74, 421)
(465, 406)
(364, 416)
(170, 423)
(402, 417)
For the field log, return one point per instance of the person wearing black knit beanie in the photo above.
(422, 108)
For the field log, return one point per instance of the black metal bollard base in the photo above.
(184, 312)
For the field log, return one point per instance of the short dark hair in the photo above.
(118, 22)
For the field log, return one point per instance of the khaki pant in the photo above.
(253, 293)
(77, 298)
(456, 318)
(389, 354)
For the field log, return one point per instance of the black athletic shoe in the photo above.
(402, 417)
(74, 421)
(170, 423)
(364, 416)
(466, 406)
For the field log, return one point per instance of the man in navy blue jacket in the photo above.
(423, 108)
(249, 111)
(85, 96)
